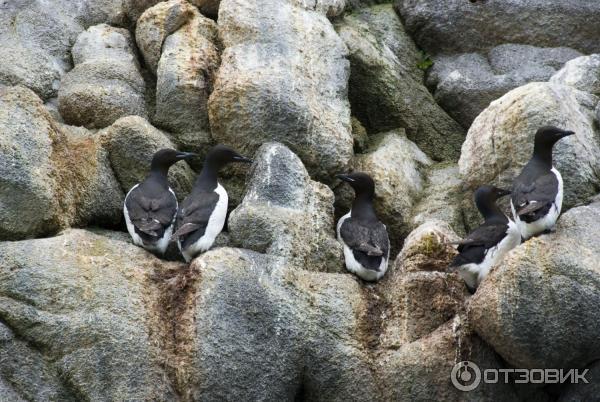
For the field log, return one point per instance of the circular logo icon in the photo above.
(465, 376)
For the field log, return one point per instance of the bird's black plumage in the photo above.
(368, 240)
(365, 238)
(150, 206)
(472, 249)
(535, 190)
(204, 202)
(193, 215)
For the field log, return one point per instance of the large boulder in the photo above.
(185, 76)
(106, 82)
(500, 141)
(582, 73)
(37, 36)
(386, 86)
(545, 295)
(398, 167)
(285, 213)
(82, 316)
(158, 22)
(51, 176)
(441, 198)
(131, 141)
(465, 84)
(283, 77)
(466, 26)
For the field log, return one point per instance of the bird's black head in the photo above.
(221, 155)
(485, 199)
(547, 136)
(162, 160)
(361, 182)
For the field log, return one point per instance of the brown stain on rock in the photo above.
(173, 316)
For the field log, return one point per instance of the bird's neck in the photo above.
(208, 178)
(491, 213)
(159, 175)
(542, 155)
(362, 207)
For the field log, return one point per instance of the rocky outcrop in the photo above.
(52, 176)
(81, 311)
(185, 78)
(441, 198)
(105, 83)
(582, 73)
(285, 213)
(282, 78)
(398, 168)
(465, 26)
(464, 84)
(131, 141)
(156, 24)
(386, 85)
(500, 141)
(544, 295)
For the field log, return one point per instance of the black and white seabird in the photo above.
(201, 216)
(537, 192)
(150, 207)
(485, 246)
(364, 237)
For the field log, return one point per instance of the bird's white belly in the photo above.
(473, 274)
(549, 220)
(356, 267)
(215, 225)
(162, 243)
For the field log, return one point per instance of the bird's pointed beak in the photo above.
(345, 178)
(567, 133)
(185, 155)
(243, 159)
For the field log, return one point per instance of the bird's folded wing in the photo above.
(485, 235)
(372, 240)
(195, 212)
(529, 197)
(151, 214)
(534, 206)
(186, 228)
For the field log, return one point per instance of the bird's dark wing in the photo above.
(473, 247)
(369, 243)
(530, 196)
(151, 215)
(193, 216)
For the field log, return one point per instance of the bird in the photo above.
(202, 213)
(364, 238)
(487, 245)
(537, 193)
(150, 207)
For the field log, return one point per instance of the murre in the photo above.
(150, 207)
(364, 237)
(487, 245)
(202, 213)
(537, 192)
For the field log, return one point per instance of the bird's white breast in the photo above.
(547, 221)
(215, 225)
